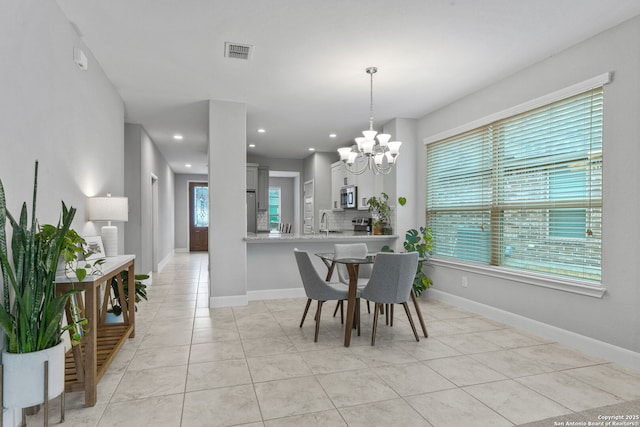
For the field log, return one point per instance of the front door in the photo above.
(198, 216)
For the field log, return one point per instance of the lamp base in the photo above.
(110, 240)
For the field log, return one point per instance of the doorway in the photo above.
(198, 216)
(155, 241)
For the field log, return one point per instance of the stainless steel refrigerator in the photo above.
(252, 207)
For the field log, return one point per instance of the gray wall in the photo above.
(143, 159)
(615, 318)
(69, 119)
(287, 165)
(50, 110)
(318, 167)
(227, 183)
(181, 212)
(286, 198)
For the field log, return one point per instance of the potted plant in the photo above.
(31, 312)
(421, 242)
(381, 211)
(140, 293)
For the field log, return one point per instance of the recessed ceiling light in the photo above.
(252, 145)
(178, 137)
(332, 135)
(261, 130)
(312, 149)
(188, 165)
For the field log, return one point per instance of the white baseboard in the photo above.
(11, 417)
(166, 260)
(587, 345)
(239, 300)
(231, 301)
(276, 294)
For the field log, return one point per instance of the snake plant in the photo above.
(31, 312)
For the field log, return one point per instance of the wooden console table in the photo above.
(87, 362)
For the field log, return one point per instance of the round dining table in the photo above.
(353, 265)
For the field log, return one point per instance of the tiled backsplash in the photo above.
(338, 220)
(341, 220)
(263, 220)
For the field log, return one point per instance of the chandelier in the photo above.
(370, 152)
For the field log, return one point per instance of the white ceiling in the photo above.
(306, 77)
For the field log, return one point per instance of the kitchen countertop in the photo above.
(339, 236)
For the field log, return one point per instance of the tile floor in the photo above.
(253, 366)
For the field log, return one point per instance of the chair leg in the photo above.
(413, 327)
(375, 323)
(368, 307)
(386, 314)
(358, 314)
(337, 306)
(391, 314)
(342, 312)
(315, 339)
(306, 309)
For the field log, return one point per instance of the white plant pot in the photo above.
(23, 376)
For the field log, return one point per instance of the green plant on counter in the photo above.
(31, 312)
(381, 210)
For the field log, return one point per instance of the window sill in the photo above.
(566, 285)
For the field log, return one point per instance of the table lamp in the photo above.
(109, 209)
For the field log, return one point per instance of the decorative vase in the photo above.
(23, 376)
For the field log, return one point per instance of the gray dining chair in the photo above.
(351, 250)
(317, 289)
(390, 283)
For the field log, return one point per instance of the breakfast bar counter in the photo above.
(332, 236)
(271, 267)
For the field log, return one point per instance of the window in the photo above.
(274, 208)
(523, 192)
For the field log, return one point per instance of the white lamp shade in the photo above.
(108, 209)
(344, 152)
(369, 134)
(367, 146)
(352, 158)
(378, 158)
(394, 147)
(383, 138)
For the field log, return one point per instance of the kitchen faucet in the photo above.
(324, 220)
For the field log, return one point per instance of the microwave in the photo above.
(349, 197)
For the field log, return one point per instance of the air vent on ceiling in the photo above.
(238, 50)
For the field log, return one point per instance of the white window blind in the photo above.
(523, 192)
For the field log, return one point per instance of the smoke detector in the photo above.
(238, 50)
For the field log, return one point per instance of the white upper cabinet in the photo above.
(338, 174)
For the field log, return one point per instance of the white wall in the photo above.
(614, 319)
(227, 182)
(69, 119)
(181, 212)
(143, 159)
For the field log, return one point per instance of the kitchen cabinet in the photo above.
(338, 175)
(263, 188)
(252, 177)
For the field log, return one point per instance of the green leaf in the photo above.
(81, 273)
(402, 201)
